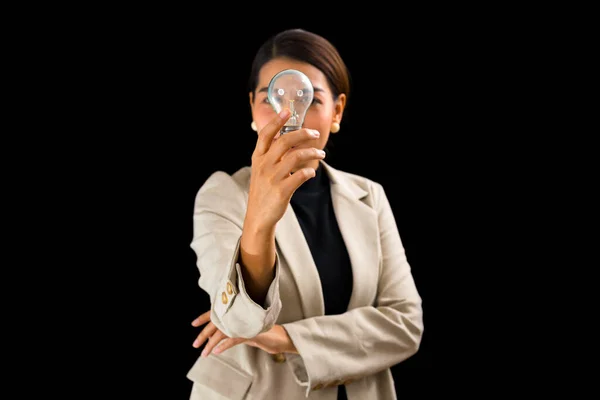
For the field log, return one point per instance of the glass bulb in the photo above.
(291, 89)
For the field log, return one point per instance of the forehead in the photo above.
(270, 69)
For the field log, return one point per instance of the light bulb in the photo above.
(291, 89)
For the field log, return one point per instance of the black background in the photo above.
(398, 94)
(462, 112)
(170, 107)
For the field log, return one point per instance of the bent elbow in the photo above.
(413, 329)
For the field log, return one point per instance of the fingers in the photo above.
(202, 319)
(266, 134)
(294, 181)
(297, 157)
(212, 342)
(207, 332)
(227, 344)
(284, 143)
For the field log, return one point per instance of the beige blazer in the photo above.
(382, 327)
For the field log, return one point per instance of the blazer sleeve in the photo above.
(336, 349)
(219, 211)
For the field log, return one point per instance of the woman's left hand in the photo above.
(276, 340)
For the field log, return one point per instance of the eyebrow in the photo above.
(265, 89)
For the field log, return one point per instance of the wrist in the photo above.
(256, 236)
(290, 347)
(254, 227)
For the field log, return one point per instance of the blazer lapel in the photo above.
(292, 244)
(358, 225)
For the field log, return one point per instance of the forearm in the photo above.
(355, 344)
(219, 223)
(257, 260)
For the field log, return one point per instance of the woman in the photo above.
(311, 292)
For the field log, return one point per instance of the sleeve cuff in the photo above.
(296, 363)
(235, 313)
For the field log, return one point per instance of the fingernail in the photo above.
(196, 343)
(203, 354)
(217, 350)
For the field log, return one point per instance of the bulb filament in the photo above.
(294, 117)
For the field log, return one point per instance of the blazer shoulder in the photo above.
(223, 192)
(370, 186)
(223, 181)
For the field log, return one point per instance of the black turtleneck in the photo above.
(314, 209)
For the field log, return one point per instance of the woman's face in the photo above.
(322, 112)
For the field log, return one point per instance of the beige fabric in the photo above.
(382, 327)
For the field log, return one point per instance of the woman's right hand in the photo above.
(272, 184)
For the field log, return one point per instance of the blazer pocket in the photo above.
(218, 375)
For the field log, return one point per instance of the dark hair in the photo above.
(308, 47)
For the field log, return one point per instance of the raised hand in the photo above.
(275, 157)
